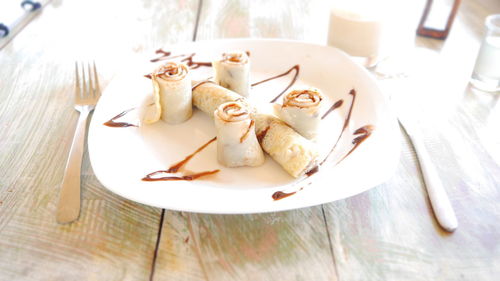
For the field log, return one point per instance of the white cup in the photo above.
(358, 28)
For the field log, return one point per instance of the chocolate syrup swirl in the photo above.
(195, 64)
(245, 135)
(165, 55)
(278, 195)
(313, 171)
(111, 122)
(187, 58)
(262, 134)
(332, 108)
(149, 177)
(346, 122)
(302, 98)
(294, 79)
(363, 132)
(175, 168)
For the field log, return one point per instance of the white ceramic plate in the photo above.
(121, 157)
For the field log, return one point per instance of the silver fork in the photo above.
(87, 94)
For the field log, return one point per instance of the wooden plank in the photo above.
(389, 232)
(114, 239)
(276, 246)
(299, 20)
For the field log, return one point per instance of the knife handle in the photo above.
(437, 195)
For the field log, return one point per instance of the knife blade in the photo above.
(440, 202)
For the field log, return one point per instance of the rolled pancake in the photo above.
(232, 72)
(172, 89)
(296, 154)
(237, 143)
(208, 96)
(300, 110)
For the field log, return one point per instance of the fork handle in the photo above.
(68, 208)
(439, 199)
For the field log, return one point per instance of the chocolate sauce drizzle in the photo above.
(175, 168)
(165, 55)
(149, 177)
(332, 108)
(252, 122)
(363, 132)
(111, 122)
(294, 79)
(278, 195)
(313, 171)
(295, 98)
(262, 134)
(346, 122)
(187, 58)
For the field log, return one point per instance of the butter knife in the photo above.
(440, 202)
(404, 78)
(405, 105)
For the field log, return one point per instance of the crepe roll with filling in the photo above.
(172, 90)
(296, 154)
(237, 143)
(232, 72)
(208, 96)
(300, 110)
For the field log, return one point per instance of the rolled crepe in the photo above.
(237, 143)
(232, 72)
(172, 84)
(296, 154)
(300, 110)
(208, 96)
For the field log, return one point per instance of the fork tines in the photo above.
(89, 86)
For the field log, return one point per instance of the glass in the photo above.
(357, 31)
(486, 74)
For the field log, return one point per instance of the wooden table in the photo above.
(386, 233)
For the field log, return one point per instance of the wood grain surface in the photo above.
(386, 233)
(114, 239)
